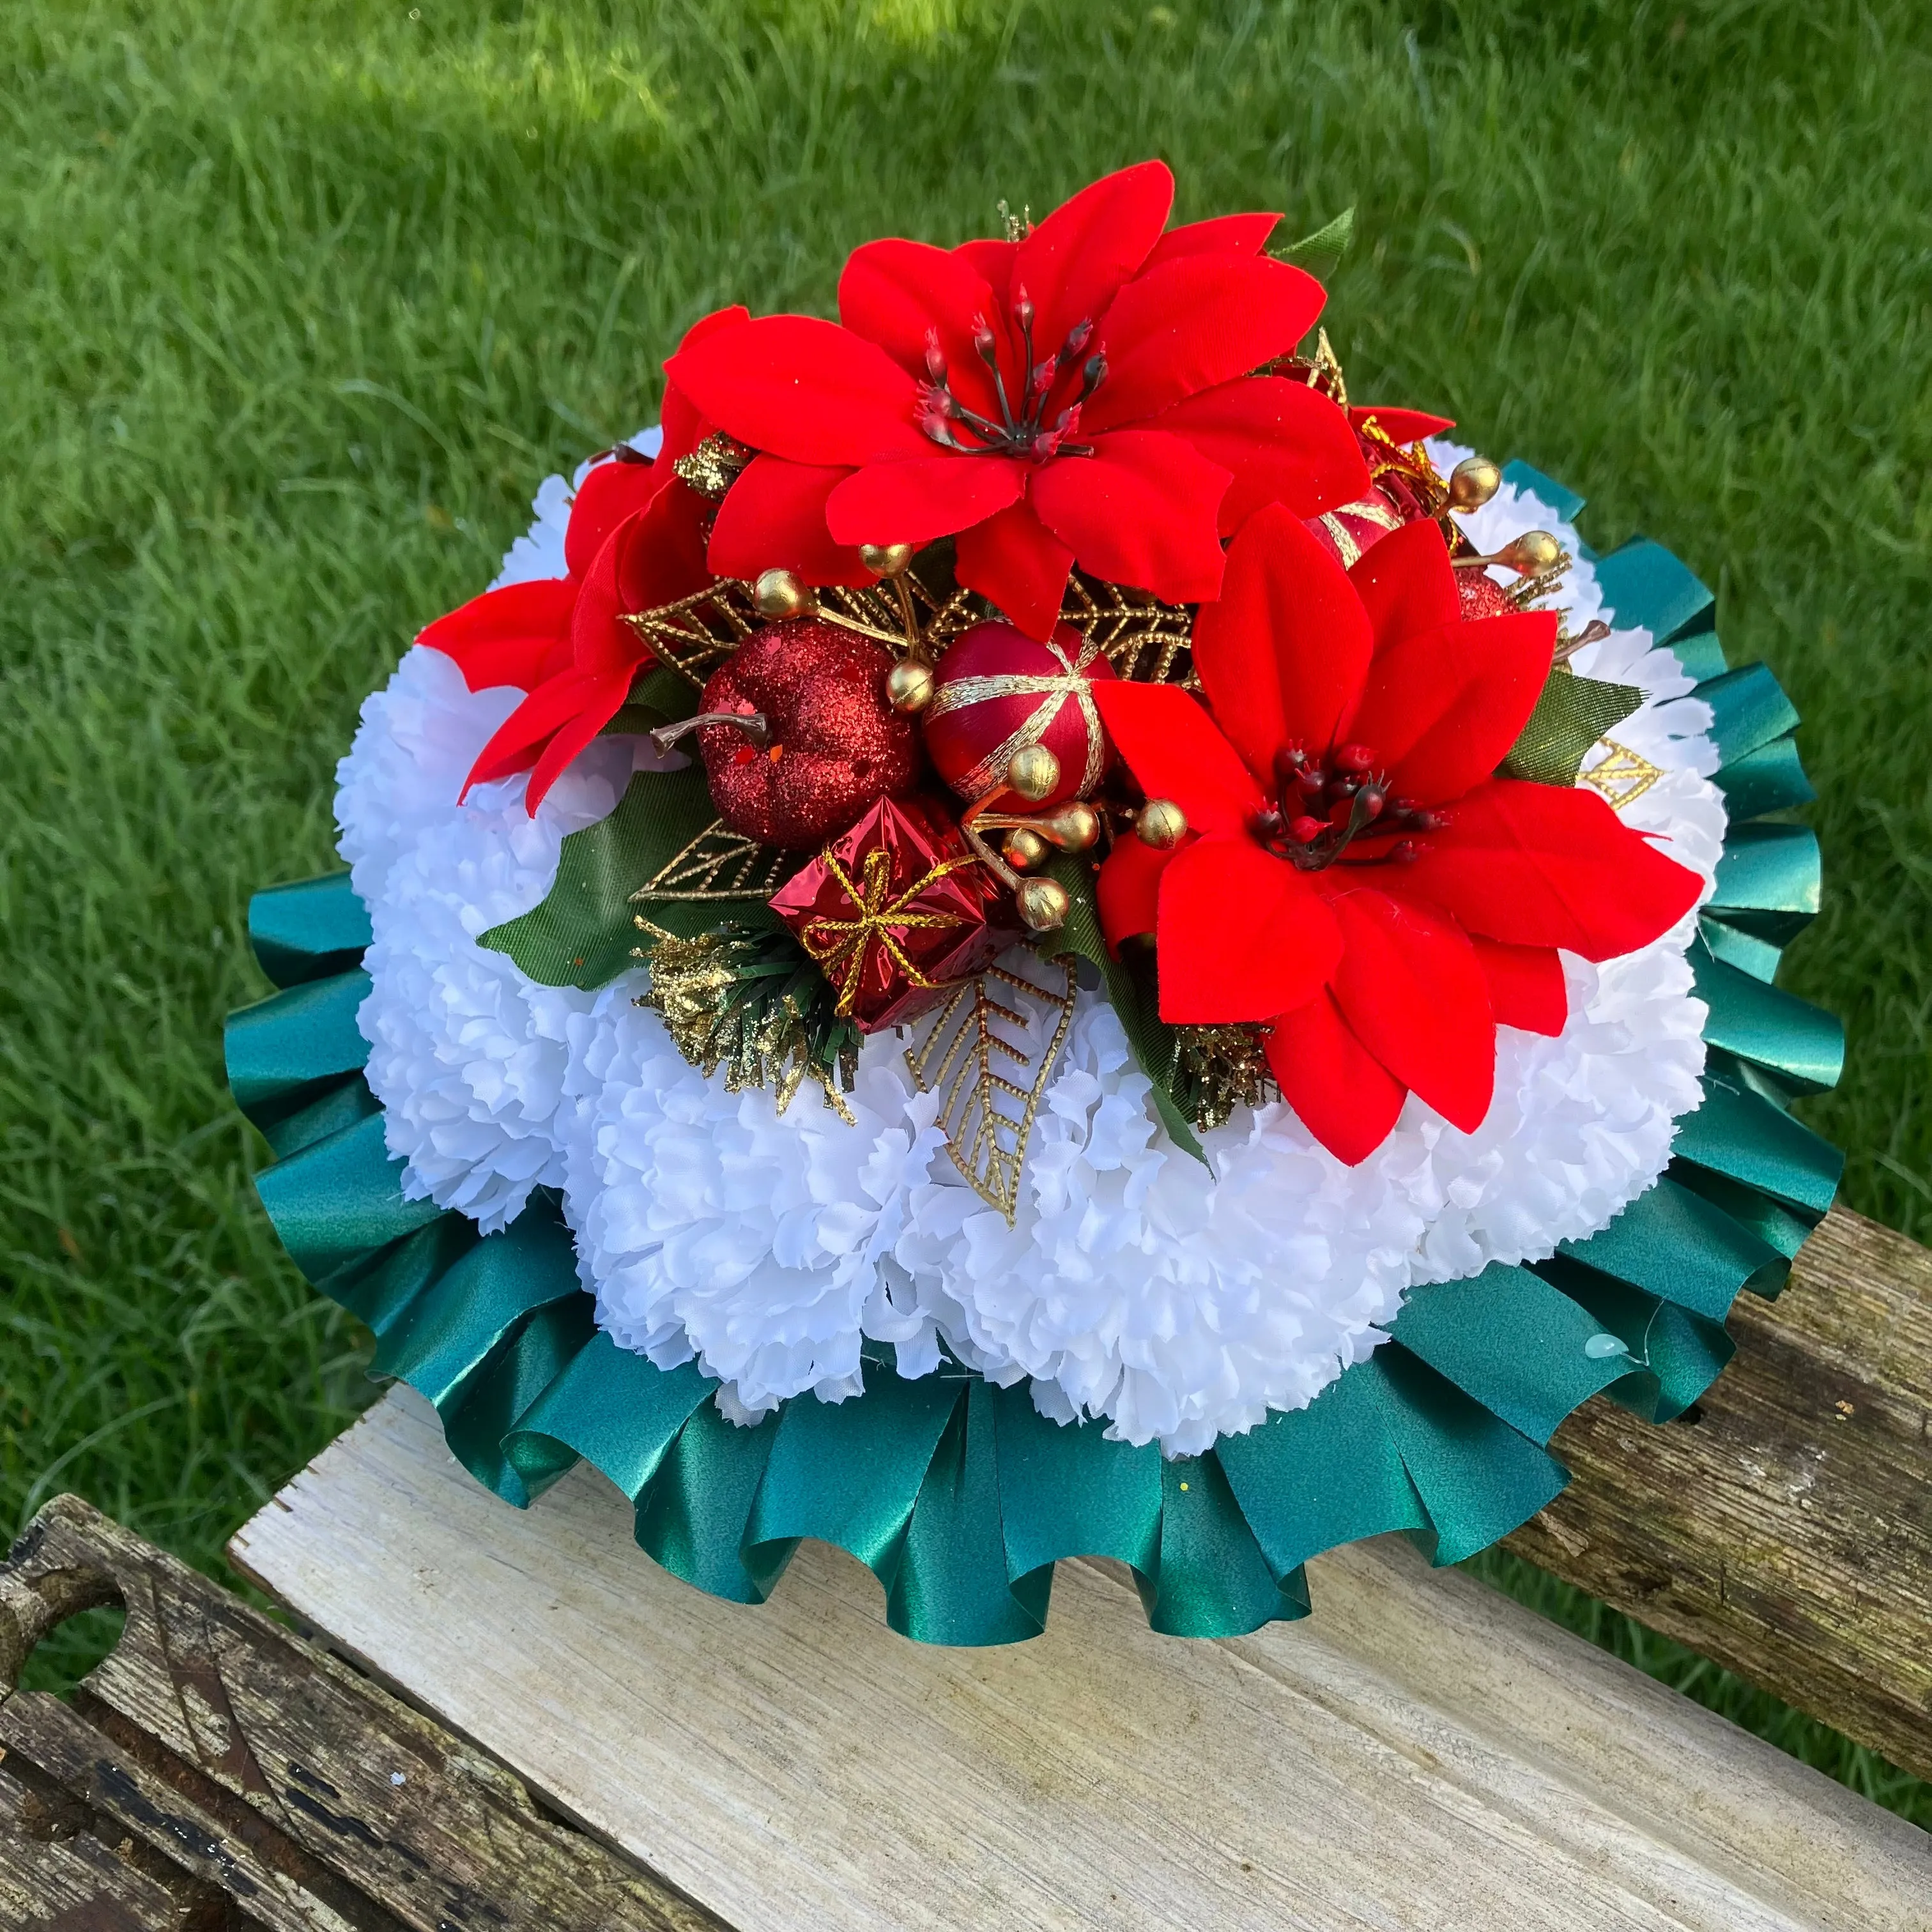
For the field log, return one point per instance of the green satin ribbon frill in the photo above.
(958, 1495)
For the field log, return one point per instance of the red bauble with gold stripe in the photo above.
(997, 690)
(1347, 531)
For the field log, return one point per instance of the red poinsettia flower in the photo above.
(1085, 394)
(1356, 877)
(635, 540)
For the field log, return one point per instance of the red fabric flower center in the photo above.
(1325, 806)
(1048, 412)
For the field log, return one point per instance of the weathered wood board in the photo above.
(216, 1773)
(1787, 1531)
(1422, 1754)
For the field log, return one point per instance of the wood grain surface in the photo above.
(1785, 1529)
(1422, 1754)
(218, 1773)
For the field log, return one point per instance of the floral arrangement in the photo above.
(1027, 932)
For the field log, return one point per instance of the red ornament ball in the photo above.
(1482, 596)
(1347, 532)
(833, 745)
(997, 690)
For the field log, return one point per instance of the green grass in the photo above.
(302, 300)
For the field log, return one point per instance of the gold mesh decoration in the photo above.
(725, 1004)
(1221, 1068)
(694, 635)
(713, 466)
(988, 1052)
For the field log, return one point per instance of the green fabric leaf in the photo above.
(1572, 714)
(659, 696)
(584, 933)
(1156, 1045)
(1320, 254)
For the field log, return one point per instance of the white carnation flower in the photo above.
(1181, 1302)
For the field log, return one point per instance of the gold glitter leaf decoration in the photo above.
(1622, 775)
(718, 864)
(694, 635)
(988, 1052)
(1142, 637)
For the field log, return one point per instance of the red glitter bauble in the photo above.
(1482, 596)
(996, 690)
(834, 745)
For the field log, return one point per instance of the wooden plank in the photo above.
(1787, 1531)
(56, 1877)
(281, 1781)
(133, 1802)
(1421, 1754)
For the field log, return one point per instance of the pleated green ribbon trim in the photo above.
(958, 1495)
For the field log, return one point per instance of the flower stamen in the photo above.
(1322, 810)
(1037, 432)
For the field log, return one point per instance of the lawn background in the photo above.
(302, 300)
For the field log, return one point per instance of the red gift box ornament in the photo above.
(997, 692)
(896, 912)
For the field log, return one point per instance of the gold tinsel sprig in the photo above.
(754, 1003)
(1220, 1068)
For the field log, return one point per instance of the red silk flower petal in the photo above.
(662, 558)
(801, 389)
(1536, 865)
(1283, 653)
(1440, 709)
(1175, 751)
(1407, 584)
(1241, 935)
(915, 499)
(994, 259)
(894, 293)
(504, 636)
(1409, 986)
(515, 743)
(1401, 426)
(1527, 988)
(1282, 441)
(733, 317)
(1127, 889)
(600, 702)
(773, 517)
(600, 641)
(613, 490)
(1143, 509)
(1196, 322)
(683, 424)
(1232, 234)
(1342, 1094)
(1014, 560)
(1072, 265)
